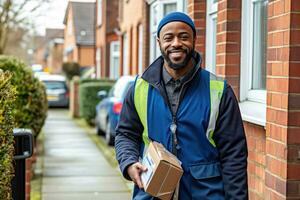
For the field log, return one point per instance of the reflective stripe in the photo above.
(140, 102)
(216, 92)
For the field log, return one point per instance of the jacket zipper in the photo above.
(173, 126)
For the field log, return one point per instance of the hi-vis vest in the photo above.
(141, 96)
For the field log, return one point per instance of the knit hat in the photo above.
(176, 16)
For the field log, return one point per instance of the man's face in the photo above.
(176, 42)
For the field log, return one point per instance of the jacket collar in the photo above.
(153, 74)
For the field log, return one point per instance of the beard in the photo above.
(177, 66)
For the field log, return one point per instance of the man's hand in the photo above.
(134, 171)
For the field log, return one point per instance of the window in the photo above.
(98, 62)
(253, 54)
(253, 59)
(140, 49)
(114, 60)
(211, 35)
(99, 12)
(125, 55)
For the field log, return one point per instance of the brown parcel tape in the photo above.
(164, 171)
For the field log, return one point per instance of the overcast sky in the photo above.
(53, 15)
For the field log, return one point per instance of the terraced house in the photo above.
(79, 33)
(255, 45)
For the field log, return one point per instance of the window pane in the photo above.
(185, 6)
(215, 1)
(170, 7)
(259, 45)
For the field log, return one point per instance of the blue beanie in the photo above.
(176, 16)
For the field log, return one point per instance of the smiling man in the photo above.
(193, 113)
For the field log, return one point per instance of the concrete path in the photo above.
(74, 168)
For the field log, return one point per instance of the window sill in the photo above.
(253, 112)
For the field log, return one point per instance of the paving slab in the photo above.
(74, 168)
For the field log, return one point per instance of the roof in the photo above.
(53, 33)
(84, 21)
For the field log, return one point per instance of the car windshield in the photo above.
(121, 88)
(54, 85)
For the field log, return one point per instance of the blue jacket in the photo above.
(209, 172)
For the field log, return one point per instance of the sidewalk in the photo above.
(74, 168)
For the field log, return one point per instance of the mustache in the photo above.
(177, 50)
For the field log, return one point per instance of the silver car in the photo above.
(56, 89)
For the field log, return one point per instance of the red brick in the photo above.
(294, 101)
(276, 184)
(294, 118)
(276, 149)
(293, 171)
(279, 7)
(294, 69)
(277, 84)
(293, 188)
(278, 38)
(295, 5)
(295, 18)
(277, 167)
(294, 53)
(295, 36)
(293, 153)
(293, 135)
(277, 132)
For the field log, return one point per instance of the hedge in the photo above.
(88, 98)
(103, 80)
(31, 101)
(7, 98)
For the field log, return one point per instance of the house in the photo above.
(79, 34)
(54, 52)
(107, 42)
(255, 46)
(133, 38)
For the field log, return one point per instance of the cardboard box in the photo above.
(164, 171)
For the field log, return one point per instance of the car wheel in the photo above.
(99, 131)
(108, 137)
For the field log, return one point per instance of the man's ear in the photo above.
(158, 40)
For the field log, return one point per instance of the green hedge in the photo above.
(103, 80)
(31, 102)
(88, 98)
(7, 98)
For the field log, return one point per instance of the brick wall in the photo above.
(273, 162)
(283, 113)
(197, 11)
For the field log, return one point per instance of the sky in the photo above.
(53, 15)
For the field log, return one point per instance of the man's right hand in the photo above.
(134, 171)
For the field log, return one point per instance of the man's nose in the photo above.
(176, 42)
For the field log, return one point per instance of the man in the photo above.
(194, 114)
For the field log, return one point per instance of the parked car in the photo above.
(109, 108)
(56, 89)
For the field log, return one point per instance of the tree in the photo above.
(16, 14)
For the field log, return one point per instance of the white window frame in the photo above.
(253, 101)
(140, 49)
(114, 71)
(99, 12)
(211, 39)
(159, 5)
(125, 54)
(98, 62)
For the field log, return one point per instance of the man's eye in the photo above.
(168, 38)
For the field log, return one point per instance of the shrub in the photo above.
(88, 98)
(31, 102)
(7, 97)
(103, 80)
(71, 69)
